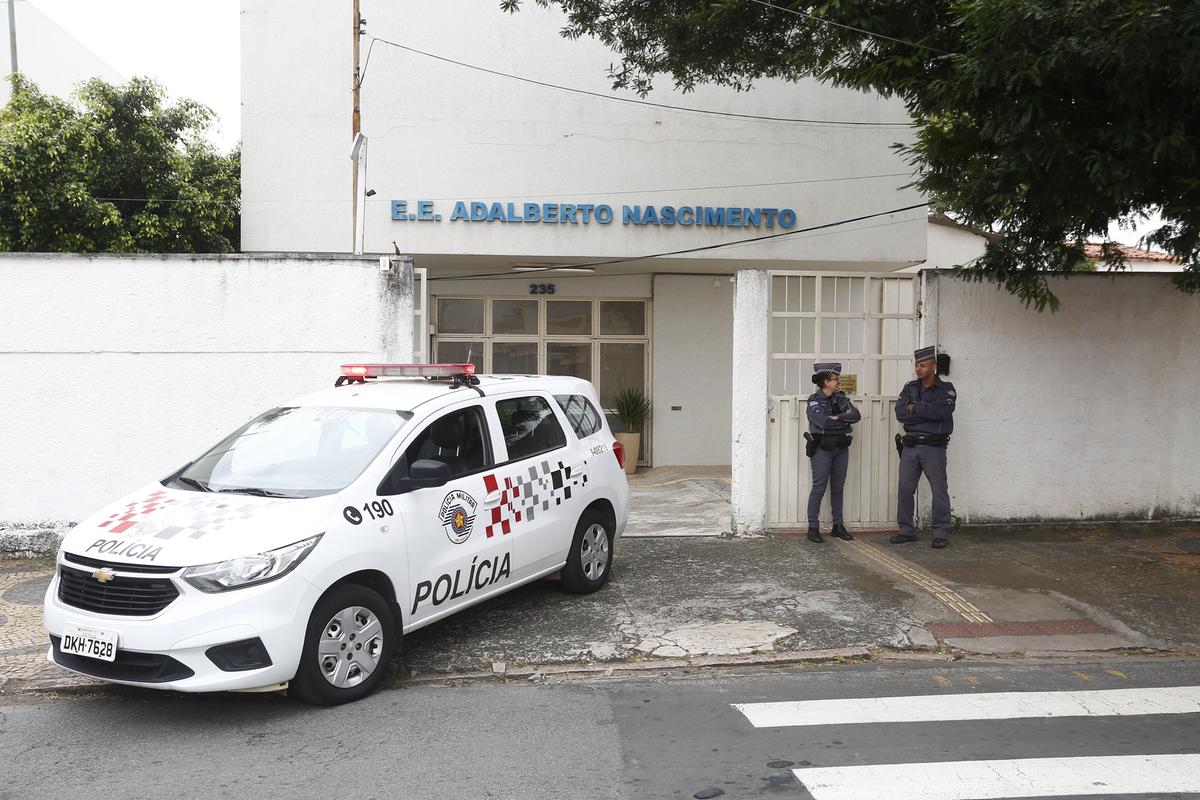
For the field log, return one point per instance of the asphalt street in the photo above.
(1106, 725)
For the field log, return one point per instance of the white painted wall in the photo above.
(442, 132)
(49, 56)
(296, 168)
(1148, 265)
(1088, 413)
(751, 331)
(693, 368)
(951, 247)
(120, 369)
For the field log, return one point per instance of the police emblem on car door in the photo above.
(439, 483)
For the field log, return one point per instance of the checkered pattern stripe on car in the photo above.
(524, 493)
(162, 517)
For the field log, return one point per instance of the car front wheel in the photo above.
(347, 646)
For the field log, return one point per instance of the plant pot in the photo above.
(632, 442)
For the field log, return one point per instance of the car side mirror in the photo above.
(426, 472)
(423, 474)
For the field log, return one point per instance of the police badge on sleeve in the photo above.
(458, 516)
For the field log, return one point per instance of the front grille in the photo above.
(128, 666)
(131, 597)
(117, 566)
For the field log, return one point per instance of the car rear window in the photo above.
(582, 415)
(529, 426)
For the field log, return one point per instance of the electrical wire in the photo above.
(699, 249)
(648, 103)
(824, 21)
(522, 197)
(516, 276)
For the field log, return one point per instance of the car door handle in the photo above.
(493, 499)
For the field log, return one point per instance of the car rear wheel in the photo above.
(590, 560)
(347, 646)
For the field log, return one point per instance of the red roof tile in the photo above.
(1094, 250)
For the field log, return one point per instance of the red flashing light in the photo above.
(407, 370)
(619, 452)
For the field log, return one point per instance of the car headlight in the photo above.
(237, 573)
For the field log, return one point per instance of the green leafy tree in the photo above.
(117, 171)
(1038, 121)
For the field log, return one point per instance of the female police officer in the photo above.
(830, 415)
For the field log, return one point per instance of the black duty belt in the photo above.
(928, 439)
(826, 441)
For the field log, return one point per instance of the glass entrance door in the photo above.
(605, 341)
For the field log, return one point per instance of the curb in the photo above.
(501, 672)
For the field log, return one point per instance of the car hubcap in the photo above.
(350, 647)
(593, 552)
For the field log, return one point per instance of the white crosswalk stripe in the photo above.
(994, 778)
(996, 705)
(985, 780)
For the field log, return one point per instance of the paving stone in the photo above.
(30, 591)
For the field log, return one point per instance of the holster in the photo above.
(810, 444)
(900, 445)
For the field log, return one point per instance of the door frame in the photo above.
(871, 486)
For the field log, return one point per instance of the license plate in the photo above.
(89, 643)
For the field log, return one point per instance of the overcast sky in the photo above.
(192, 47)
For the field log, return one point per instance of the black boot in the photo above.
(901, 538)
(814, 535)
(839, 530)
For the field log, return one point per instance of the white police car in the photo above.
(305, 544)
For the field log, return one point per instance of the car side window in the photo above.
(582, 415)
(458, 439)
(529, 426)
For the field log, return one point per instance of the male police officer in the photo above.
(926, 409)
(830, 415)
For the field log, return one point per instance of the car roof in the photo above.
(407, 393)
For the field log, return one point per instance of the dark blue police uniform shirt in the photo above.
(821, 408)
(933, 407)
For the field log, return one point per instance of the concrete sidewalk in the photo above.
(1036, 591)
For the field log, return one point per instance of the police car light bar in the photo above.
(407, 370)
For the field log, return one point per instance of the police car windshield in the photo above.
(295, 452)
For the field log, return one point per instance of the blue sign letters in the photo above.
(470, 211)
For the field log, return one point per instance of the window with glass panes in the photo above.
(605, 341)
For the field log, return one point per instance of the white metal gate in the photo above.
(867, 322)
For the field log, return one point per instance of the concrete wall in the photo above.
(751, 344)
(693, 363)
(1089, 413)
(952, 247)
(443, 132)
(120, 369)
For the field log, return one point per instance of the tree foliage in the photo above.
(1039, 121)
(118, 171)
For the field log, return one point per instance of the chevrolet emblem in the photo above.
(103, 575)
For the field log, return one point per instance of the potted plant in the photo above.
(633, 408)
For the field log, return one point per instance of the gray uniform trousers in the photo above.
(828, 468)
(932, 462)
